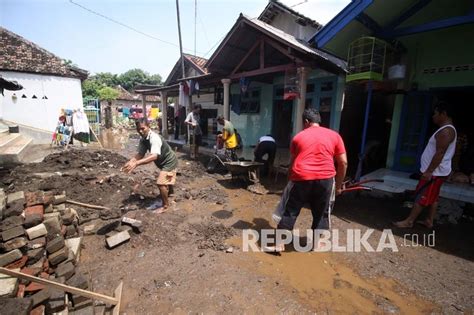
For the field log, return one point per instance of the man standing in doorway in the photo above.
(161, 154)
(312, 174)
(229, 136)
(435, 167)
(193, 120)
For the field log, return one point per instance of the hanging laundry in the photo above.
(81, 126)
(196, 88)
(244, 84)
(235, 103)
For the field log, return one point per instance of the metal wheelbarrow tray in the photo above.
(248, 170)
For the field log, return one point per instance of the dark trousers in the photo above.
(316, 193)
(176, 128)
(268, 148)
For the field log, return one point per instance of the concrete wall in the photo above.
(286, 22)
(252, 126)
(442, 48)
(40, 113)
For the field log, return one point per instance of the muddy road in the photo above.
(190, 259)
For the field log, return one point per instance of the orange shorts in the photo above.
(427, 192)
(166, 178)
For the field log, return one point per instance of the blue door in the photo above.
(321, 94)
(416, 112)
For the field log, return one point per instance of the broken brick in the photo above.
(55, 244)
(34, 198)
(20, 263)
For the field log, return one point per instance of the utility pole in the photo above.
(180, 41)
(195, 22)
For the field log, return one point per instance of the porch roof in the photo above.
(246, 32)
(389, 20)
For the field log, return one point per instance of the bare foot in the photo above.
(403, 224)
(425, 223)
(160, 210)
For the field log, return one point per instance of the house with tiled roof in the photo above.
(49, 84)
(128, 99)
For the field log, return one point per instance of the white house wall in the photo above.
(207, 102)
(40, 113)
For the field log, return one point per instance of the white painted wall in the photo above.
(40, 113)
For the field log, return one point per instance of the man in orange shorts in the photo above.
(161, 154)
(435, 167)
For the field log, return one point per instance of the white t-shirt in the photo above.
(266, 138)
(194, 119)
(444, 168)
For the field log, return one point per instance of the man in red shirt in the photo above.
(318, 166)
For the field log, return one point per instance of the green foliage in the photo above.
(91, 86)
(137, 76)
(108, 94)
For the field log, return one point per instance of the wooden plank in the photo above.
(262, 54)
(63, 287)
(87, 205)
(254, 46)
(263, 71)
(282, 50)
(118, 296)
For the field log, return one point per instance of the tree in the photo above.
(69, 62)
(155, 79)
(133, 77)
(90, 88)
(106, 79)
(108, 94)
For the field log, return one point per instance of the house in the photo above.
(48, 84)
(429, 56)
(259, 65)
(194, 67)
(128, 99)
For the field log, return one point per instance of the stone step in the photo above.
(15, 150)
(6, 138)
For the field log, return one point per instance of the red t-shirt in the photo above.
(313, 151)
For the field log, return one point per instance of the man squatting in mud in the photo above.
(161, 154)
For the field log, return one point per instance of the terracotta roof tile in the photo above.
(197, 61)
(19, 54)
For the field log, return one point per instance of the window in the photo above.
(279, 92)
(250, 101)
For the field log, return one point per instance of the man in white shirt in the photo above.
(193, 120)
(435, 167)
(266, 146)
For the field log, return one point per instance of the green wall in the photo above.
(448, 47)
(252, 126)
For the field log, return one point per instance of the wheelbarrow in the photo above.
(247, 170)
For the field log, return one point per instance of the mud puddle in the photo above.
(322, 280)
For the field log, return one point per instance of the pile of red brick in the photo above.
(39, 237)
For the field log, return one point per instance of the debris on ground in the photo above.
(212, 235)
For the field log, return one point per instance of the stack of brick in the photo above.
(33, 229)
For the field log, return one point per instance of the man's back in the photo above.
(313, 151)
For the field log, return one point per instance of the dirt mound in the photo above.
(212, 235)
(92, 177)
